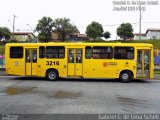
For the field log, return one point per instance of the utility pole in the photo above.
(13, 24)
(140, 22)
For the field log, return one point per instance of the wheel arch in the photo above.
(51, 69)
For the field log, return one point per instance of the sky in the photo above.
(81, 13)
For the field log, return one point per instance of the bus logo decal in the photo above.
(16, 63)
(106, 64)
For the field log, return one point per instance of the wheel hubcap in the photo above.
(125, 76)
(52, 75)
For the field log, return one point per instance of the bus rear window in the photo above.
(124, 53)
(16, 52)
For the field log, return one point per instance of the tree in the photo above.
(44, 28)
(125, 31)
(5, 33)
(64, 28)
(41, 38)
(106, 34)
(94, 30)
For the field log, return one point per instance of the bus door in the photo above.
(143, 63)
(74, 62)
(31, 61)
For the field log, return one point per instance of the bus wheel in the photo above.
(126, 77)
(52, 75)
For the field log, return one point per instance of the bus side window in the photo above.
(55, 52)
(124, 53)
(41, 52)
(102, 52)
(88, 52)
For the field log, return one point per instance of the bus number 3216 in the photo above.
(52, 62)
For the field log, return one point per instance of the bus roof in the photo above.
(79, 44)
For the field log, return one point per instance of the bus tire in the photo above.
(52, 74)
(126, 77)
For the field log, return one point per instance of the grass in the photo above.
(157, 72)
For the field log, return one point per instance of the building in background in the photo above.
(24, 36)
(151, 33)
(79, 37)
(142, 35)
(72, 37)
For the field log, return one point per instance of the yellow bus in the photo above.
(126, 61)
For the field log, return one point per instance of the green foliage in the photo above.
(5, 32)
(41, 38)
(106, 34)
(125, 31)
(99, 40)
(1, 49)
(94, 30)
(64, 28)
(44, 28)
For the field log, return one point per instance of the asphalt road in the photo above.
(21, 95)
